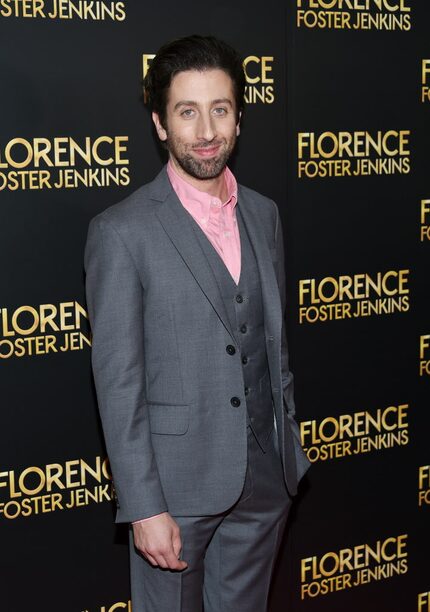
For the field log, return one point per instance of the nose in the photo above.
(206, 128)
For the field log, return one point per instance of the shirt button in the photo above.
(230, 349)
(239, 299)
(246, 390)
(244, 360)
(235, 402)
(243, 329)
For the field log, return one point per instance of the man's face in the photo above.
(200, 129)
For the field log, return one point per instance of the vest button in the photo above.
(244, 360)
(235, 402)
(243, 329)
(239, 299)
(230, 349)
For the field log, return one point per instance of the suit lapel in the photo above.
(176, 223)
(217, 266)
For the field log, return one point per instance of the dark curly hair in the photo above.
(192, 53)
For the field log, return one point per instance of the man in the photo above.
(186, 292)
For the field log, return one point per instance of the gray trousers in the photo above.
(230, 556)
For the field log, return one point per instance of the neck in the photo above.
(214, 186)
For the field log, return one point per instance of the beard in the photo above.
(202, 169)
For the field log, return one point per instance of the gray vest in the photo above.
(245, 310)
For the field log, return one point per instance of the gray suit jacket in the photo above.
(163, 377)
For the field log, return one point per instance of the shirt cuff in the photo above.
(147, 519)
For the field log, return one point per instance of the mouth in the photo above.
(207, 151)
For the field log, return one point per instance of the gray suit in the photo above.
(171, 396)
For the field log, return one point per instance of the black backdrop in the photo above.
(71, 74)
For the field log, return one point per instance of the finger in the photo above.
(173, 562)
(161, 561)
(155, 557)
(177, 548)
(182, 565)
(150, 558)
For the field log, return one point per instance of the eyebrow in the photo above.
(193, 103)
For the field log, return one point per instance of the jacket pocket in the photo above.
(171, 419)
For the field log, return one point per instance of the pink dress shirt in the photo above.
(218, 221)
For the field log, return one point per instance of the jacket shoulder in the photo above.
(138, 205)
(259, 201)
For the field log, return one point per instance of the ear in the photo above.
(162, 134)
(238, 124)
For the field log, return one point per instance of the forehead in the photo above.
(201, 86)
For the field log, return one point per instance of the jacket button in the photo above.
(235, 402)
(239, 299)
(230, 349)
(243, 328)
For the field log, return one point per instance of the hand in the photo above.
(159, 541)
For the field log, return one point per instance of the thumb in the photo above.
(177, 547)
(177, 544)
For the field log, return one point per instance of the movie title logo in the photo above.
(424, 485)
(425, 355)
(120, 605)
(353, 434)
(353, 567)
(425, 78)
(260, 81)
(425, 220)
(424, 602)
(64, 163)
(354, 14)
(87, 10)
(350, 297)
(360, 153)
(56, 486)
(29, 331)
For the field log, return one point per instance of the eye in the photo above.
(220, 111)
(188, 112)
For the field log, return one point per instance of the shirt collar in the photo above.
(190, 195)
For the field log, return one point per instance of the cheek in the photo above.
(184, 132)
(230, 130)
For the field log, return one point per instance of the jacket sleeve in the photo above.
(115, 306)
(302, 462)
(287, 375)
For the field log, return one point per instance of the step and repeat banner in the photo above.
(357, 232)
(335, 130)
